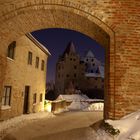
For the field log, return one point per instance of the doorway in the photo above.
(26, 100)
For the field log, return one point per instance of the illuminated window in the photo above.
(37, 62)
(11, 50)
(30, 58)
(6, 99)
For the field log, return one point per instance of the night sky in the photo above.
(56, 40)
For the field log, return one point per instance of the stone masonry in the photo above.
(115, 24)
(19, 74)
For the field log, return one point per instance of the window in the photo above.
(102, 86)
(75, 67)
(11, 50)
(37, 62)
(86, 59)
(74, 59)
(71, 59)
(91, 71)
(30, 58)
(6, 99)
(95, 87)
(97, 71)
(42, 65)
(74, 74)
(93, 64)
(67, 75)
(88, 78)
(59, 68)
(34, 98)
(92, 60)
(41, 97)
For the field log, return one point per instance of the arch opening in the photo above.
(30, 20)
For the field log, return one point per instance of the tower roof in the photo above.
(70, 48)
(89, 54)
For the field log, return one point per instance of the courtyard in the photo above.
(69, 125)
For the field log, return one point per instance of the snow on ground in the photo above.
(17, 122)
(82, 102)
(129, 127)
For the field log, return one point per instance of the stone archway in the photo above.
(89, 17)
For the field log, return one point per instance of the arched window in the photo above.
(11, 50)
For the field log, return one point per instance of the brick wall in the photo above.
(112, 23)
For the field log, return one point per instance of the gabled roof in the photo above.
(38, 44)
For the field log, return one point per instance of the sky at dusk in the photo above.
(56, 40)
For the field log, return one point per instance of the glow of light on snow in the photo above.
(48, 107)
(96, 106)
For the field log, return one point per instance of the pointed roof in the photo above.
(89, 54)
(70, 48)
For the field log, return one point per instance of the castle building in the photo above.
(94, 72)
(69, 71)
(25, 78)
(73, 73)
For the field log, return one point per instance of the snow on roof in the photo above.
(38, 44)
(73, 97)
(97, 71)
(101, 70)
(90, 54)
(92, 75)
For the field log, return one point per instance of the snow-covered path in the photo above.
(65, 126)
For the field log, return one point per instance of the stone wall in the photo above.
(112, 23)
(19, 74)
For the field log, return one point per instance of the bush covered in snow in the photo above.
(109, 128)
(127, 128)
